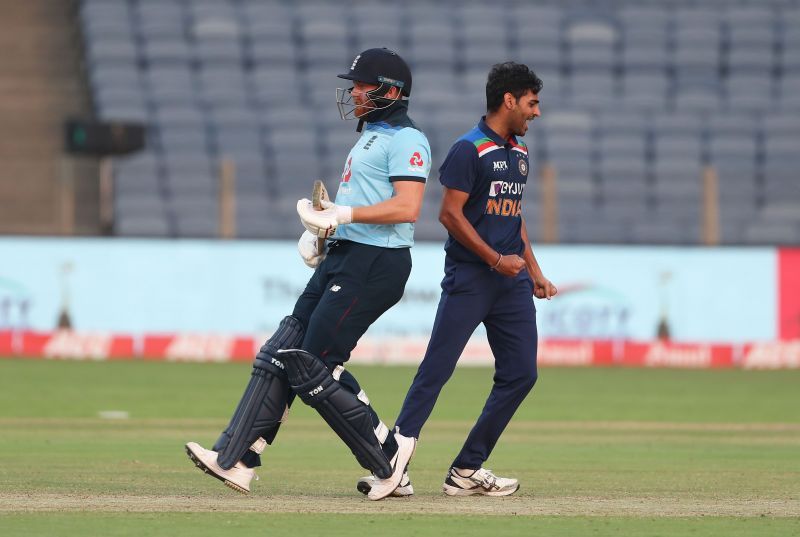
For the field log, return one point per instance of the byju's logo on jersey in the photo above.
(499, 204)
(500, 165)
(502, 187)
(416, 163)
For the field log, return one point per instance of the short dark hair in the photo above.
(509, 77)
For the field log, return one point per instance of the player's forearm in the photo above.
(530, 260)
(395, 210)
(462, 231)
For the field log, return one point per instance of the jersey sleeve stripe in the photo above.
(415, 178)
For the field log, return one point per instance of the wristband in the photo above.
(344, 214)
(499, 258)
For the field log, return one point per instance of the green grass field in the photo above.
(598, 452)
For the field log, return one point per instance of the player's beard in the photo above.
(363, 108)
(524, 122)
(522, 127)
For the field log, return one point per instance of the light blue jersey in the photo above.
(385, 153)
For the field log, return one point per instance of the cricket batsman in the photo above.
(359, 274)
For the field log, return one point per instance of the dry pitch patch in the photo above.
(423, 505)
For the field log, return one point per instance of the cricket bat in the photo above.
(319, 194)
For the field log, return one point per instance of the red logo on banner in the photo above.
(789, 293)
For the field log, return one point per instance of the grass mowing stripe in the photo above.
(214, 524)
(640, 447)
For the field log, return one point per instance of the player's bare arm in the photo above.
(542, 287)
(452, 218)
(403, 207)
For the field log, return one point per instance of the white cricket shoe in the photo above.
(382, 488)
(405, 488)
(238, 478)
(461, 482)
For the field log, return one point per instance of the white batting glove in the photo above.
(323, 223)
(307, 246)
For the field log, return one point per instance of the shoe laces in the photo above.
(484, 478)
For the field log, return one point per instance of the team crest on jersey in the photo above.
(523, 167)
(416, 164)
(347, 171)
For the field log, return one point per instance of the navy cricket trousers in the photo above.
(472, 294)
(352, 287)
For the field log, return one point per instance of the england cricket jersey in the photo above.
(388, 151)
(494, 173)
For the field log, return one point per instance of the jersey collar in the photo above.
(493, 136)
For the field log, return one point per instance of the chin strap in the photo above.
(360, 125)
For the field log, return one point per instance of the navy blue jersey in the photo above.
(493, 172)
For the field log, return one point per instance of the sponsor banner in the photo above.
(6, 344)
(789, 295)
(246, 287)
(774, 355)
(677, 355)
(65, 344)
(197, 348)
(573, 353)
(401, 351)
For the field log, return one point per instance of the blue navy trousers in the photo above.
(473, 294)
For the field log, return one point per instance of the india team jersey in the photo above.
(385, 153)
(494, 173)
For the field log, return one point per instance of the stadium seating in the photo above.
(638, 99)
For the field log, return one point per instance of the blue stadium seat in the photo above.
(379, 33)
(677, 124)
(592, 46)
(112, 50)
(145, 225)
(751, 59)
(779, 125)
(426, 37)
(749, 92)
(123, 112)
(637, 98)
(645, 26)
(646, 90)
(679, 147)
(623, 121)
(593, 91)
(648, 57)
(167, 50)
(697, 97)
(789, 92)
(771, 233)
